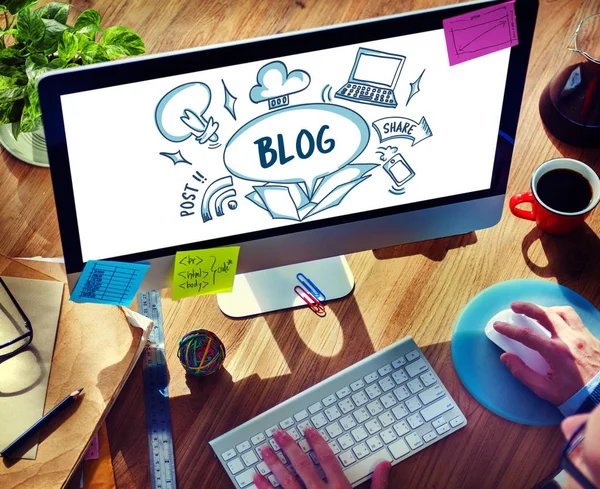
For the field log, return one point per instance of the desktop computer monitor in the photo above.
(295, 147)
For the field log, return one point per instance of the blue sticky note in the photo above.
(109, 282)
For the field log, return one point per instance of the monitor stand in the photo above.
(273, 289)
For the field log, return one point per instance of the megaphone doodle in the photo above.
(183, 109)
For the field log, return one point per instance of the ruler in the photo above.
(156, 397)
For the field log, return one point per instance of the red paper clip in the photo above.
(315, 305)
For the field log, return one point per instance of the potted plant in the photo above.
(40, 40)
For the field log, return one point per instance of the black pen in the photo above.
(61, 406)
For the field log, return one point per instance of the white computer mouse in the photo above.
(530, 357)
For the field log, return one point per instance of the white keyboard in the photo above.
(388, 406)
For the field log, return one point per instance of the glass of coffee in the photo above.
(563, 193)
(570, 104)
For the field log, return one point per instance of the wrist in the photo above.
(584, 400)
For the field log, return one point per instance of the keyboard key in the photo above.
(399, 449)
(360, 398)
(259, 449)
(343, 392)
(245, 478)
(347, 458)
(412, 355)
(304, 445)
(399, 362)
(324, 435)
(414, 440)
(249, 458)
(361, 450)
(273, 480)
(375, 407)
(263, 468)
(347, 423)
(359, 434)
(256, 439)
(302, 426)
(333, 413)
(388, 400)
(415, 421)
(359, 384)
(334, 430)
(388, 436)
(454, 422)
(335, 448)
(374, 443)
(274, 444)
(400, 411)
(314, 408)
(329, 400)
(416, 368)
(431, 394)
(345, 441)
(386, 369)
(235, 466)
(372, 377)
(293, 432)
(437, 408)
(319, 420)
(373, 391)
(401, 428)
(386, 419)
(366, 466)
(443, 429)
(281, 458)
(229, 454)
(386, 384)
(301, 415)
(242, 447)
(286, 423)
(400, 376)
(271, 431)
(373, 426)
(438, 422)
(402, 393)
(361, 415)
(427, 437)
(413, 404)
(346, 406)
(428, 378)
(415, 386)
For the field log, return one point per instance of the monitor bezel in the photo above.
(54, 85)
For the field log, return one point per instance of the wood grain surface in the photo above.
(415, 289)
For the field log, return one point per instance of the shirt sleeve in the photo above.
(584, 400)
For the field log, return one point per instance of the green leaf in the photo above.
(121, 41)
(93, 53)
(35, 66)
(11, 112)
(10, 94)
(87, 17)
(52, 36)
(15, 6)
(11, 55)
(31, 118)
(31, 28)
(58, 11)
(17, 74)
(67, 46)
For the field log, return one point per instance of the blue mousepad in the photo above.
(477, 359)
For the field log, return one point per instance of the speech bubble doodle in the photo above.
(298, 144)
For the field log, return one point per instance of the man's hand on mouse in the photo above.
(305, 468)
(572, 352)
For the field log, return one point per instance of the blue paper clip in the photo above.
(311, 301)
(310, 286)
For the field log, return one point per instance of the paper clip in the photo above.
(310, 286)
(311, 301)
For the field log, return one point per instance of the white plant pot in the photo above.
(30, 147)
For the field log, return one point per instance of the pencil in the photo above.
(13, 448)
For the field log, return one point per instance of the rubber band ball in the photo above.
(201, 352)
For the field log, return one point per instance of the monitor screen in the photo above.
(272, 145)
(379, 70)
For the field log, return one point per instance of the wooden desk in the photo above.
(417, 289)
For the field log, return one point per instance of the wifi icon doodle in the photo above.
(215, 196)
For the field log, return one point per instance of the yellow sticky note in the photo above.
(203, 272)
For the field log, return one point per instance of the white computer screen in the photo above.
(376, 69)
(219, 153)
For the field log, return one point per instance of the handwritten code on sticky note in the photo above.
(109, 282)
(204, 272)
(480, 32)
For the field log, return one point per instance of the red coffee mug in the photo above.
(551, 220)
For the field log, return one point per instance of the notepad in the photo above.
(109, 282)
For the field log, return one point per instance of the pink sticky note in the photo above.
(481, 32)
(93, 452)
